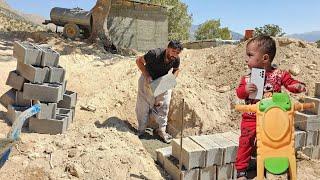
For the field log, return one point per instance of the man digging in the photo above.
(153, 65)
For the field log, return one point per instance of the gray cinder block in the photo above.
(15, 81)
(49, 57)
(66, 113)
(214, 153)
(43, 92)
(163, 84)
(171, 165)
(306, 122)
(225, 171)
(20, 101)
(316, 101)
(208, 173)
(193, 155)
(14, 112)
(317, 90)
(56, 75)
(300, 139)
(230, 148)
(48, 111)
(69, 100)
(312, 138)
(8, 98)
(162, 153)
(33, 74)
(27, 53)
(48, 126)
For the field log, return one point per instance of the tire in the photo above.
(71, 31)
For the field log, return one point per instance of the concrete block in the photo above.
(48, 111)
(307, 122)
(171, 165)
(27, 53)
(73, 111)
(20, 101)
(33, 74)
(15, 81)
(208, 173)
(43, 92)
(69, 100)
(8, 98)
(229, 147)
(312, 138)
(307, 151)
(56, 75)
(315, 152)
(162, 84)
(300, 138)
(312, 151)
(66, 113)
(162, 153)
(48, 126)
(232, 136)
(64, 86)
(14, 112)
(225, 172)
(193, 155)
(214, 153)
(49, 57)
(317, 90)
(234, 169)
(316, 101)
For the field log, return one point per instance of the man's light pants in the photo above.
(147, 104)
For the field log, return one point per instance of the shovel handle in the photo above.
(303, 106)
(246, 108)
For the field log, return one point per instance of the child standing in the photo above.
(260, 52)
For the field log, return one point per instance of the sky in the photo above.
(293, 16)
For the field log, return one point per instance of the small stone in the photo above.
(311, 66)
(74, 170)
(224, 89)
(72, 153)
(295, 70)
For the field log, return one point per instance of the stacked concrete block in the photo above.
(15, 81)
(306, 121)
(8, 98)
(43, 92)
(208, 154)
(192, 154)
(38, 76)
(32, 73)
(27, 53)
(300, 139)
(48, 126)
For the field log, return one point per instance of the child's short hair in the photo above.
(266, 45)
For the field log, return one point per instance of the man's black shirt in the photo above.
(156, 65)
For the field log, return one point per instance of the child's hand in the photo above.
(250, 88)
(299, 87)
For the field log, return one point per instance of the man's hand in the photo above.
(148, 78)
(299, 87)
(250, 88)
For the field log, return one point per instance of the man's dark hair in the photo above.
(175, 45)
(266, 45)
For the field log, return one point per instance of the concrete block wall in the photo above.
(214, 159)
(38, 76)
(138, 25)
(307, 124)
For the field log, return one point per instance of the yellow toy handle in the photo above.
(303, 106)
(246, 108)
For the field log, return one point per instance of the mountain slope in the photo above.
(308, 36)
